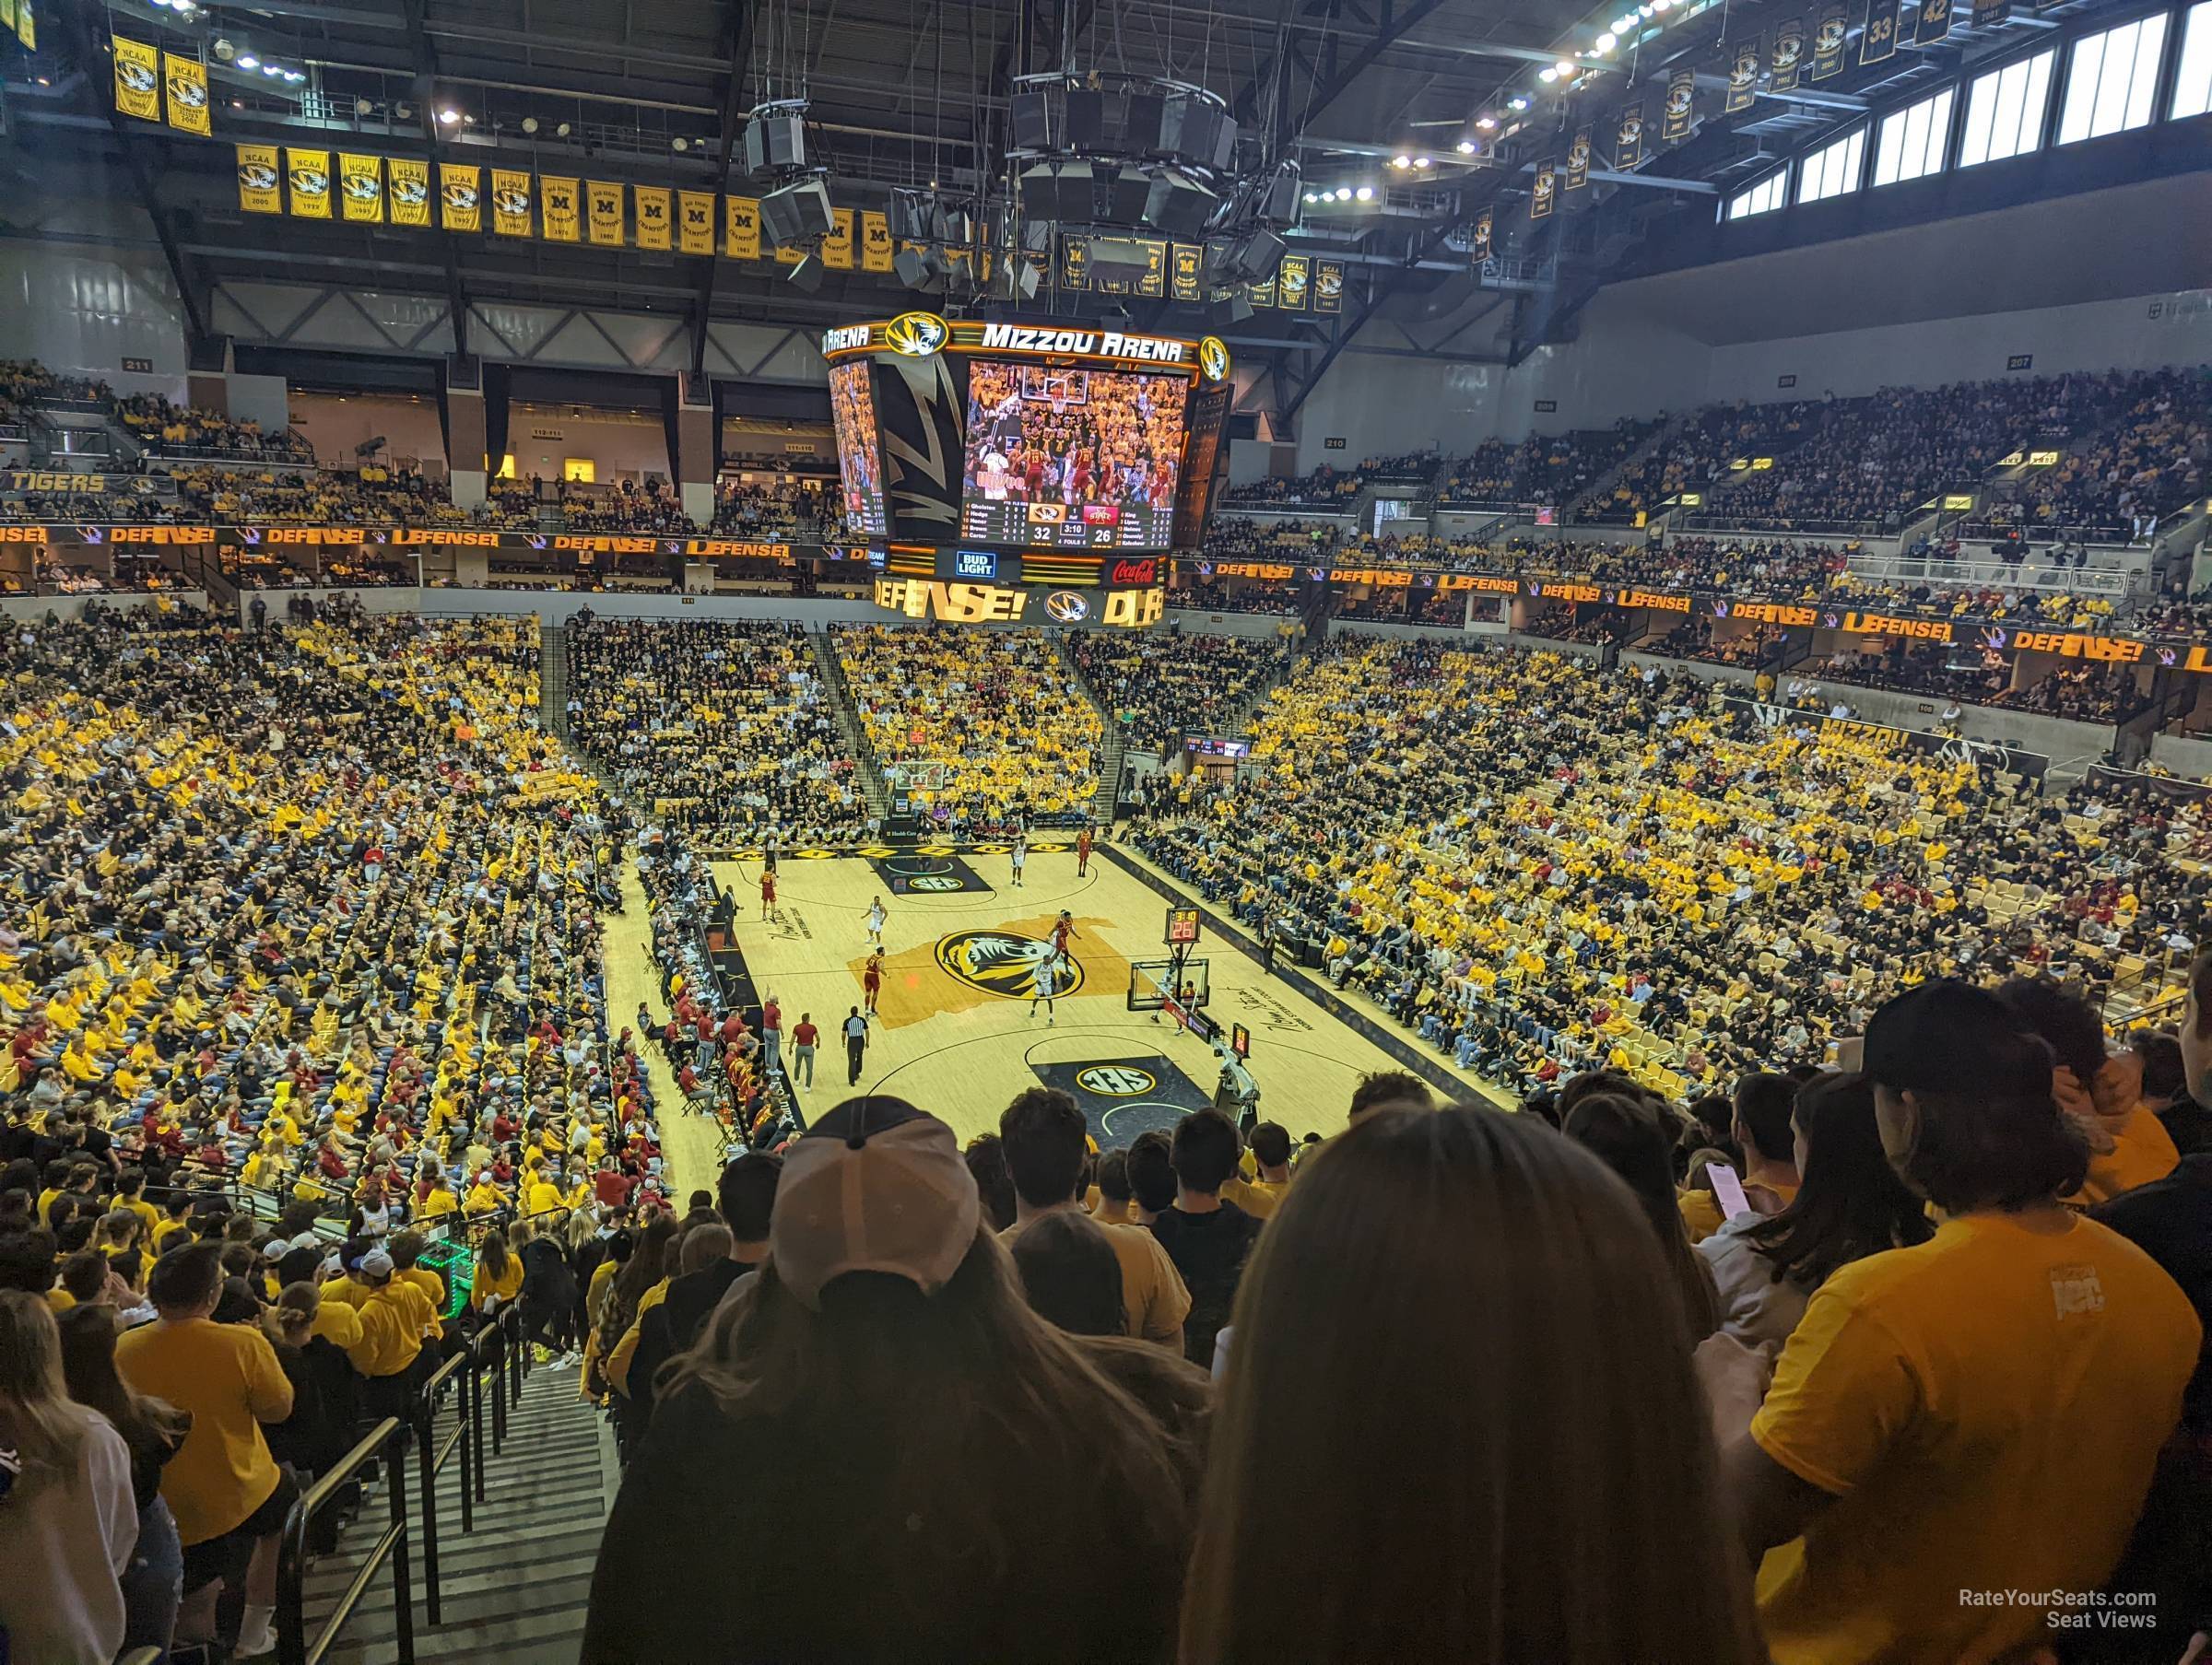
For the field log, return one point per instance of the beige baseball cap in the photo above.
(876, 1185)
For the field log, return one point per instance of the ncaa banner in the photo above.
(1788, 61)
(1628, 137)
(1479, 247)
(1184, 260)
(1577, 161)
(307, 172)
(461, 196)
(603, 208)
(259, 179)
(138, 80)
(564, 215)
(1681, 105)
(510, 202)
(361, 188)
(1879, 42)
(407, 189)
(654, 220)
(1328, 285)
(1294, 282)
(695, 229)
(1743, 74)
(1546, 185)
(185, 80)
(837, 247)
(1827, 43)
(1987, 13)
(1933, 22)
(875, 241)
(740, 226)
(27, 30)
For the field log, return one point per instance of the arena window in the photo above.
(2004, 112)
(1910, 143)
(2112, 80)
(1762, 198)
(1834, 169)
(2192, 83)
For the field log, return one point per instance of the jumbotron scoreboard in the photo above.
(1025, 473)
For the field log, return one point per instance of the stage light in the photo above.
(1516, 103)
(562, 132)
(1422, 161)
(529, 124)
(1401, 162)
(1366, 194)
(1564, 68)
(246, 60)
(1548, 74)
(448, 116)
(1625, 22)
(1607, 42)
(295, 75)
(272, 69)
(679, 143)
(1466, 147)
(1486, 122)
(1311, 198)
(403, 111)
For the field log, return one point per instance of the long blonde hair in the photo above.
(37, 1416)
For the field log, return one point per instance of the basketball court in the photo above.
(954, 1033)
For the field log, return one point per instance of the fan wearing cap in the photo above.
(907, 1462)
(1981, 1411)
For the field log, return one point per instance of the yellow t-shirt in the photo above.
(393, 1321)
(544, 1197)
(337, 1324)
(1153, 1299)
(1701, 1214)
(228, 1376)
(2142, 1151)
(1985, 1409)
(1256, 1197)
(626, 1349)
(486, 1286)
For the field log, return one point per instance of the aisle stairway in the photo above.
(1601, 488)
(517, 1589)
(824, 648)
(1111, 748)
(553, 679)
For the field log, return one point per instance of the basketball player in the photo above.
(1043, 985)
(1020, 855)
(871, 979)
(1063, 928)
(1082, 854)
(875, 920)
(768, 893)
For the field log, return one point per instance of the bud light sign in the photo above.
(975, 563)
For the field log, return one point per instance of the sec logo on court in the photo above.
(1116, 1080)
(936, 880)
(1004, 962)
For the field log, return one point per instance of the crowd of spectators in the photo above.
(721, 731)
(798, 506)
(626, 507)
(977, 728)
(2126, 481)
(1329, 489)
(1544, 470)
(168, 430)
(1159, 685)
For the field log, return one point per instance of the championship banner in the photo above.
(1478, 248)
(361, 188)
(408, 187)
(258, 179)
(1261, 294)
(1788, 61)
(1933, 22)
(563, 214)
(791, 254)
(1539, 198)
(1681, 101)
(603, 203)
(7, 16)
(1827, 44)
(1293, 281)
(1183, 266)
(1075, 263)
(1743, 74)
(740, 226)
(1328, 285)
(185, 80)
(1154, 283)
(1578, 161)
(1990, 13)
(875, 241)
(25, 29)
(138, 80)
(837, 244)
(1628, 138)
(1879, 42)
(308, 174)
(510, 202)
(651, 202)
(461, 196)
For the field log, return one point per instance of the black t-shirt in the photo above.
(1209, 1251)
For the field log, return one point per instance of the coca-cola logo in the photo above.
(1133, 572)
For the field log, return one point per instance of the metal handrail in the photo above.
(292, 1645)
(431, 1458)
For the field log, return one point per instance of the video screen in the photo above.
(859, 459)
(1071, 459)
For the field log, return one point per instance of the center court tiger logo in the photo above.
(916, 335)
(1003, 963)
(1116, 1080)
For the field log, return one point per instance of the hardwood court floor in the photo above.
(954, 1038)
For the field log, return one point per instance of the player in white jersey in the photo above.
(1020, 855)
(1043, 985)
(875, 920)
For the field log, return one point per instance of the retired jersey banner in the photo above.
(1478, 248)
(1990, 13)
(362, 187)
(461, 196)
(1540, 195)
(407, 189)
(653, 221)
(1743, 73)
(837, 246)
(1681, 105)
(1184, 260)
(186, 81)
(1328, 285)
(510, 213)
(1075, 263)
(694, 228)
(1788, 62)
(307, 172)
(1933, 22)
(1829, 37)
(1879, 42)
(740, 227)
(563, 212)
(1578, 161)
(603, 212)
(1628, 138)
(875, 241)
(260, 180)
(138, 80)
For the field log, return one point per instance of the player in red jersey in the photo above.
(871, 979)
(768, 893)
(1083, 853)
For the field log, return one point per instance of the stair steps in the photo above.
(824, 648)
